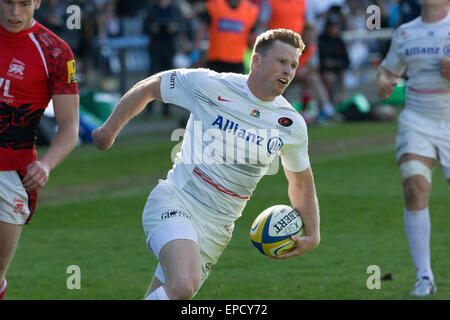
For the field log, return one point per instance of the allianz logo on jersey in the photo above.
(233, 128)
(274, 143)
(422, 50)
(224, 141)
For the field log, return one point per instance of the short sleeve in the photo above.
(62, 71)
(394, 61)
(178, 86)
(294, 155)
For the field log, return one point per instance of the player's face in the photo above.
(275, 69)
(17, 15)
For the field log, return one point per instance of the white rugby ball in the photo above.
(272, 229)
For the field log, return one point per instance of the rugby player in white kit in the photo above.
(238, 125)
(422, 47)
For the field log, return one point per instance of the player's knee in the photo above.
(417, 182)
(417, 187)
(417, 191)
(184, 287)
(417, 171)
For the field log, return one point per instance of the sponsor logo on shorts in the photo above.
(173, 76)
(173, 213)
(19, 206)
(208, 266)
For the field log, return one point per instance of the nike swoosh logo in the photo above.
(221, 99)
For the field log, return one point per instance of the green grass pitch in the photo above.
(89, 215)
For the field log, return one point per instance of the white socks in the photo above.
(418, 229)
(158, 294)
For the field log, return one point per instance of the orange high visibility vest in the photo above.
(229, 29)
(288, 14)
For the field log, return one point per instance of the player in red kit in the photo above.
(35, 66)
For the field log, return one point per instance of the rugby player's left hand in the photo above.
(36, 176)
(445, 68)
(303, 244)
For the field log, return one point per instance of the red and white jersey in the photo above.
(418, 47)
(34, 66)
(231, 138)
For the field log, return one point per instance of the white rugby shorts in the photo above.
(16, 204)
(425, 137)
(168, 216)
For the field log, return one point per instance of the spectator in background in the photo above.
(108, 23)
(358, 48)
(409, 10)
(52, 15)
(333, 56)
(130, 16)
(318, 11)
(308, 75)
(289, 14)
(231, 26)
(162, 25)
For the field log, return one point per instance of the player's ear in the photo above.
(37, 4)
(255, 61)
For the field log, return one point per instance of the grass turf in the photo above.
(89, 215)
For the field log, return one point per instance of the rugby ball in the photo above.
(272, 228)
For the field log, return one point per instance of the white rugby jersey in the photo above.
(231, 138)
(418, 47)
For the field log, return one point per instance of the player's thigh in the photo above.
(9, 237)
(181, 262)
(429, 162)
(416, 139)
(16, 203)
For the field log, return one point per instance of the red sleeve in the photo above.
(62, 71)
(60, 62)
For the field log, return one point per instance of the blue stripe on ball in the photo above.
(258, 246)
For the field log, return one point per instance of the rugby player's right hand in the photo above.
(102, 139)
(386, 86)
(36, 176)
(386, 83)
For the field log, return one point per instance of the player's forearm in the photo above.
(304, 201)
(132, 103)
(384, 75)
(381, 75)
(386, 81)
(62, 144)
